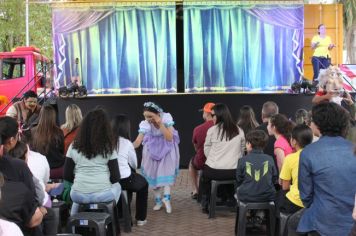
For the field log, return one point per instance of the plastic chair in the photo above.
(240, 224)
(107, 207)
(61, 212)
(214, 189)
(96, 220)
(283, 220)
(126, 211)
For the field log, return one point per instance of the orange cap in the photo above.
(207, 107)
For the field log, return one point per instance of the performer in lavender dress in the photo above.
(160, 155)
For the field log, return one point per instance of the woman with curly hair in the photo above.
(91, 163)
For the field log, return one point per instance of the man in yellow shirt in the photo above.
(321, 44)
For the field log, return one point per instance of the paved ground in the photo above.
(186, 218)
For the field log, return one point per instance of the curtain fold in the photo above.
(242, 48)
(125, 50)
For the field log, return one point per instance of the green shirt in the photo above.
(91, 175)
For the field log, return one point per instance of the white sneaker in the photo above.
(158, 205)
(167, 204)
(141, 222)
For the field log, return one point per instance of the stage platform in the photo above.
(184, 109)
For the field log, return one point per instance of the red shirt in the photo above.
(199, 135)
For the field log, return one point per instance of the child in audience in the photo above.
(256, 173)
(289, 200)
(160, 155)
(130, 180)
(280, 127)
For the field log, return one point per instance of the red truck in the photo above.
(21, 70)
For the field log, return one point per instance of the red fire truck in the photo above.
(21, 70)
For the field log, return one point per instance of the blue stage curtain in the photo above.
(120, 50)
(242, 47)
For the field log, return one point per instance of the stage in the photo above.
(184, 109)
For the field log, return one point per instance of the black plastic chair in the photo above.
(214, 189)
(61, 212)
(106, 207)
(98, 221)
(240, 224)
(283, 221)
(126, 211)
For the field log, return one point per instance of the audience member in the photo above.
(256, 173)
(247, 120)
(199, 135)
(130, 180)
(18, 194)
(313, 127)
(327, 169)
(47, 138)
(224, 146)
(49, 227)
(160, 155)
(27, 110)
(280, 127)
(289, 198)
(301, 117)
(8, 228)
(269, 109)
(91, 163)
(70, 127)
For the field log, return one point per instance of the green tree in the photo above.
(13, 24)
(350, 29)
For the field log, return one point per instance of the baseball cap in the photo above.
(207, 107)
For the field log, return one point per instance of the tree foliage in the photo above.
(350, 29)
(13, 25)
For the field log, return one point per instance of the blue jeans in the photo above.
(319, 63)
(104, 196)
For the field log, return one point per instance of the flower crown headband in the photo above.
(153, 105)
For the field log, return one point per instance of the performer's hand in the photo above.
(157, 119)
(331, 46)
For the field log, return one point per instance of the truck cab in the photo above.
(21, 70)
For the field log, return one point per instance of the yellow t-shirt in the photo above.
(290, 172)
(322, 50)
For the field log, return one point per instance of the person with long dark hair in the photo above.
(91, 163)
(130, 180)
(160, 155)
(247, 119)
(47, 138)
(224, 146)
(280, 127)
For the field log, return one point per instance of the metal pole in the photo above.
(27, 27)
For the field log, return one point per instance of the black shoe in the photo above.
(194, 196)
(205, 210)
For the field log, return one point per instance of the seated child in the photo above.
(289, 199)
(256, 173)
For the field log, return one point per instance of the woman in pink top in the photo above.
(280, 127)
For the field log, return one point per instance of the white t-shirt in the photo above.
(8, 228)
(127, 157)
(39, 167)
